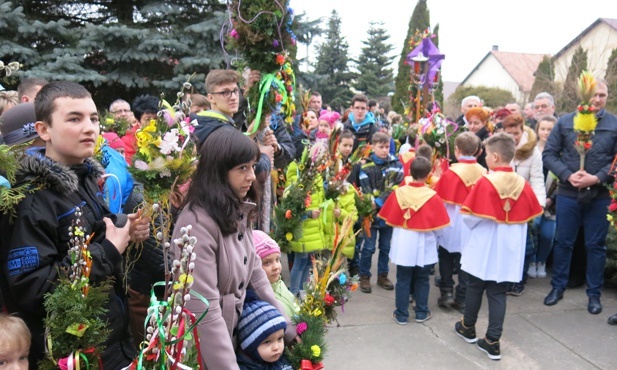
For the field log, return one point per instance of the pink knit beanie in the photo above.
(264, 244)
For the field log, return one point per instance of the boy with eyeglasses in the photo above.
(223, 94)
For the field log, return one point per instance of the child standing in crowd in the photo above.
(546, 224)
(270, 254)
(327, 122)
(453, 187)
(14, 343)
(220, 220)
(35, 246)
(497, 212)
(313, 238)
(379, 176)
(417, 214)
(261, 330)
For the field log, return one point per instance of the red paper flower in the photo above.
(280, 59)
(278, 98)
(587, 145)
(288, 214)
(612, 207)
(329, 299)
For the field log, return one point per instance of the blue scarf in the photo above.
(378, 161)
(368, 119)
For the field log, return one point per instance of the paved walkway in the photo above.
(535, 336)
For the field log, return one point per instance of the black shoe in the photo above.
(553, 297)
(516, 290)
(613, 319)
(467, 333)
(594, 307)
(491, 349)
(458, 306)
(445, 300)
(353, 271)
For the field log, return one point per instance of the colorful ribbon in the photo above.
(308, 365)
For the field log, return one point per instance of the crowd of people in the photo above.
(511, 196)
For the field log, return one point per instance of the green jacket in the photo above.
(347, 205)
(313, 237)
(286, 298)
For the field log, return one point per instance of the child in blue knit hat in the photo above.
(260, 333)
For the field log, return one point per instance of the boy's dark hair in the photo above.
(145, 104)
(27, 84)
(223, 150)
(346, 134)
(420, 168)
(372, 103)
(502, 144)
(380, 138)
(468, 143)
(45, 101)
(218, 77)
(425, 151)
(359, 97)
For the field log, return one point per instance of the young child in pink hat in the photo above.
(270, 254)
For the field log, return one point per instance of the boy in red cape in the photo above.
(417, 215)
(453, 187)
(497, 211)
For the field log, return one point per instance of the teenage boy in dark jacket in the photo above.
(34, 246)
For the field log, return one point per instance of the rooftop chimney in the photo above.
(495, 47)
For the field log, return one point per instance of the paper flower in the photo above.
(316, 350)
(301, 328)
(170, 142)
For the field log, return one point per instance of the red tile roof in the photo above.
(520, 66)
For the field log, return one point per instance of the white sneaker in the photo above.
(532, 272)
(541, 270)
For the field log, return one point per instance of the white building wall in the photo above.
(599, 43)
(492, 74)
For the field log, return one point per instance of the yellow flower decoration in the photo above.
(316, 350)
(289, 236)
(609, 218)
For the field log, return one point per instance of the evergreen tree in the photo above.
(611, 79)
(569, 98)
(544, 78)
(375, 78)
(332, 66)
(420, 20)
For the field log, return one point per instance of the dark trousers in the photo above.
(496, 295)
(448, 263)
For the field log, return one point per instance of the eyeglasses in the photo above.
(125, 111)
(543, 106)
(227, 93)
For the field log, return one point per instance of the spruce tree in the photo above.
(375, 78)
(420, 20)
(332, 66)
(544, 78)
(611, 78)
(569, 99)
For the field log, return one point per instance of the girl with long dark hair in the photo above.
(219, 206)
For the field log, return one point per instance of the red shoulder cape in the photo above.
(484, 201)
(431, 215)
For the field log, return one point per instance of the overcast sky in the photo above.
(467, 29)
